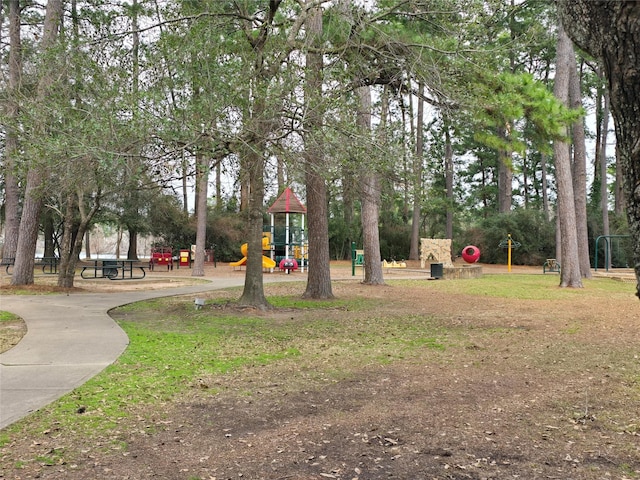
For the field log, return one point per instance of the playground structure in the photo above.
(357, 259)
(437, 253)
(287, 231)
(435, 250)
(164, 255)
(266, 261)
(161, 256)
(471, 254)
(509, 244)
(284, 238)
(393, 264)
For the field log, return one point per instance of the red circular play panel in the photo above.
(470, 254)
(288, 264)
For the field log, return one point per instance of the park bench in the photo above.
(114, 270)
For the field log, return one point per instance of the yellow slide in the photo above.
(243, 260)
(266, 261)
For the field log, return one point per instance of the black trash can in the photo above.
(436, 270)
(110, 268)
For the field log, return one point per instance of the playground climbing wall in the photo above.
(435, 250)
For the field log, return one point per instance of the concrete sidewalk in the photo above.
(70, 339)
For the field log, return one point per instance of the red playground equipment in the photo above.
(161, 256)
(471, 254)
(288, 264)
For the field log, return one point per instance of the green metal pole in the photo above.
(353, 259)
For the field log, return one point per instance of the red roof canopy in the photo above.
(287, 202)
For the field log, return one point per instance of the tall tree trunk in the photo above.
(71, 244)
(545, 187)
(202, 179)
(579, 171)
(409, 166)
(87, 244)
(185, 186)
(619, 200)
(604, 184)
(253, 293)
(414, 248)
(219, 185)
(132, 252)
(370, 198)
(253, 168)
(618, 190)
(244, 178)
(119, 233)
(448, 180)
(505, 157)
(280, 169)
(65, 276)
(570, 275)
(348, 205)
(505, 175)
(28, 233)
(558, 238)
(257, 130)
(610, 31)
(33, 200)
(525, 182)
(599, 113)
(370, 234)
(319, 278)
(349, 177)
(244, 195)
(11, 189)
(51, 246)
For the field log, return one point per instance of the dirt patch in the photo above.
(46, 284)
(41, 288)
(528, 393)
(521, 389)
(11, 332)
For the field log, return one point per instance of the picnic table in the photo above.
(7, 263)
(114, 270)
(49, 264)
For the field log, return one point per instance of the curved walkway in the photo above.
(70, 338)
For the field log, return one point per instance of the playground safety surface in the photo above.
(521, 389)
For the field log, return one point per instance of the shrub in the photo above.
(529, 228)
